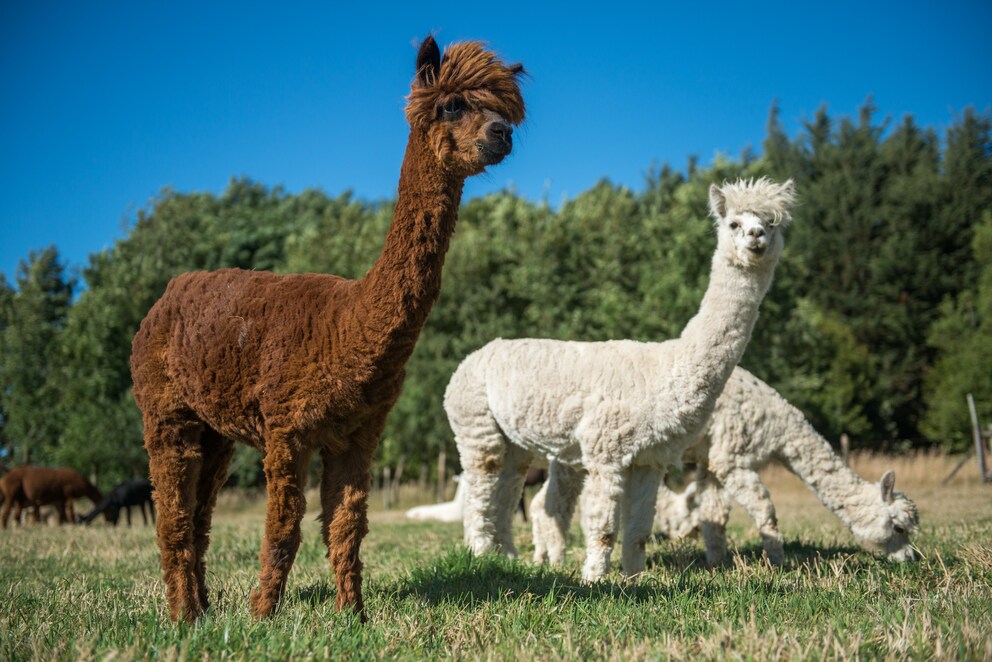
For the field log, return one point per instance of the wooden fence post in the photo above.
(845, 448)
(979, 442)
(386, 487)
(396, 480)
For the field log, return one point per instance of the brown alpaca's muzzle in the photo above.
(497, 142)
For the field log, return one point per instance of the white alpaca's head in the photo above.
(750, 215)
(677, 514)
(887, 523)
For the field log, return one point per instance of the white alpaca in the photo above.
(619, 412)
(449, 511)
(753, 426)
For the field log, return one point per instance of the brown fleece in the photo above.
(33, 487)
(297, 364)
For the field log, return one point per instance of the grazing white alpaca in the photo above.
(449, 511)
(753, 426)
(619, 412)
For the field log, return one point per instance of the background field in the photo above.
(85, 593)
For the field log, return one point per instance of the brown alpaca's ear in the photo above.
(428, 62)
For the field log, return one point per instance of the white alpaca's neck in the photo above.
(840, 490)
(714, 340)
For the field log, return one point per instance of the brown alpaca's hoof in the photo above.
(345, 602)
(185, 614)
(184, 606)
(261, 605)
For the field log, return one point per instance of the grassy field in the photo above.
(95, 593)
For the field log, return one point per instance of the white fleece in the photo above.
(617, 412)
(753, 426)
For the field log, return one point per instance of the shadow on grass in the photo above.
(685, 556)
(317, 593)
(460, 578)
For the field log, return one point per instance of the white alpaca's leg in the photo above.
(551, 512)
(639, 504)
(714, 511)
(509, 487)
(539, 524)
(479, 510)
(747, 488)
(601, 496)
(481, 449)
(493, 484)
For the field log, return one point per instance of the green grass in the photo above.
(84, 593)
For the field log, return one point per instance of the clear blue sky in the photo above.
(105, 103)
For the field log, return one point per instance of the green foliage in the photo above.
(963, 336)
(30, 375)
(850, 332)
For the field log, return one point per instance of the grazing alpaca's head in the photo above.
(887, 524)
(750, 216)
(466, 103)
(677, 515)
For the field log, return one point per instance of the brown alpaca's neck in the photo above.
(403, 284)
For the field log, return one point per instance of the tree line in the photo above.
(877, 325)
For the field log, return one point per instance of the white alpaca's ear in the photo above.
(887, 485)
(789, 189)
(718, 202)
(786, 200)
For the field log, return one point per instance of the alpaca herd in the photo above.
(30, 487)
(306, 365)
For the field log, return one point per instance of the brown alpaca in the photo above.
(34, 487)
(293, 364)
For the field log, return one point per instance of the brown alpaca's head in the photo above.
(466, 103)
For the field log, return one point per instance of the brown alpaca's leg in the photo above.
(5, 514)
(285, 475)
(217, 453)
(174, 461)
(344, 492)
(70, 512)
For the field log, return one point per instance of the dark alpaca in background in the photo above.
(33, 487)
(293, 364)
(124, 495)
(535, 476)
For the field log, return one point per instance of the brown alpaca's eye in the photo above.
(452, 109)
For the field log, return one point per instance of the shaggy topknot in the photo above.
(763, 197)
(469, 71)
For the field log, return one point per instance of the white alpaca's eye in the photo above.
(734, 225)
(898, 529)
